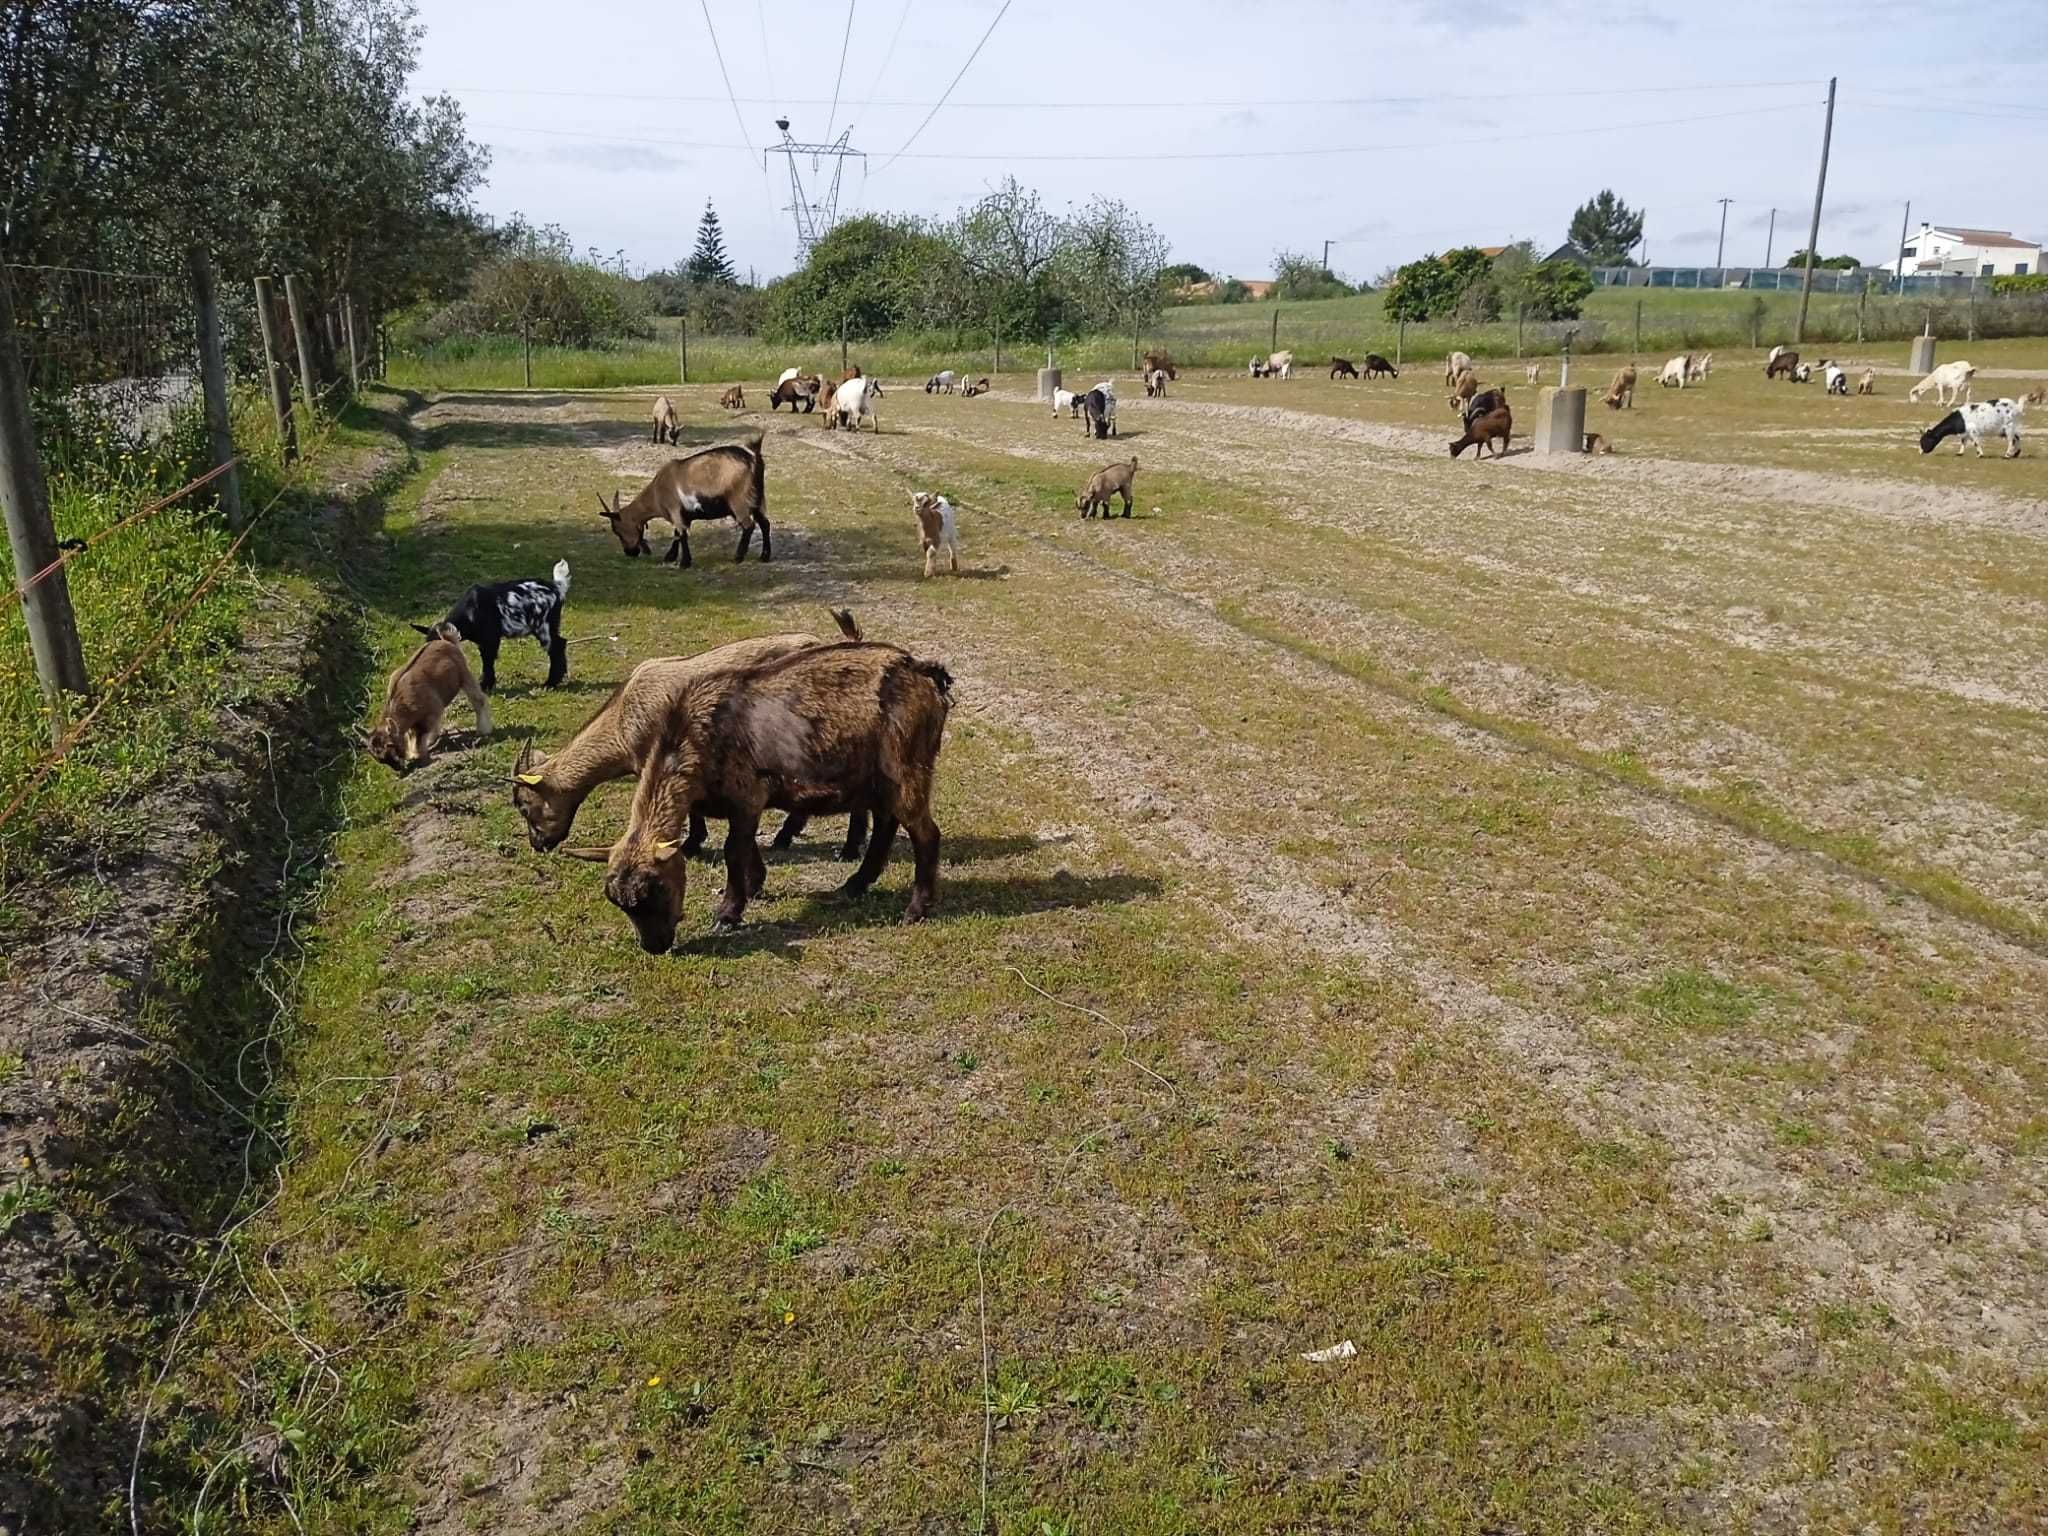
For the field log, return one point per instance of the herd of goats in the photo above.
(847, 726)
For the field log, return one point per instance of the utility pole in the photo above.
(1721, 244)
(1771, 238)
(1820, 187)
(1326, 256)
(1905, 223)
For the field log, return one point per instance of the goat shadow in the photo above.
(815, 849)
(828, 913)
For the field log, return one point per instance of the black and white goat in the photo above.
(492, 612)
(1099, 406)
(1971, 424)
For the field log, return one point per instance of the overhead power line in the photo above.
(888, 56)
(720, 52)
(837, 80)
(767, 58)
(926, 123)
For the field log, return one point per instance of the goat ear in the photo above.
(590, 855)
(666, 848)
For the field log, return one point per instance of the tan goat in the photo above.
(712, 483)
(1622, 392)
(1115, 480)
(734, 399)
(417, 696)
(1463, 388)
(666, 429)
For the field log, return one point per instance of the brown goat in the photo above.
(734, 399)
(417, 696)
(1784, 366)
(1490, 427)
(1161, 362)
(1622, 392)
(1463, 388)
(1115, 480)
(829, 729)
(726, 481)
(1596, 444)
(666, 429)
(617, 741)
(801, 390)
(978, 387)
(1343, 368)
(1867, 385)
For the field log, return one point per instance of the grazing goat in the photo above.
(794, 389)
(1971, 424)
(1700, 366)
(1156, 362)
(1155, 384)
(1463, 389)
(1867, 385)
(1533, 373)
(1783, 364)
(1622, 392)
(418, 694)
(2035, 396)
(1834, 377)
(1281, 365)
(734, 399)
(726, 481)
(1099, 410)
(942, 382)
(665, 427)
(1596, 444)
(1377, 366)
(1258, 367)
(1343, 368)
(1676, 371)
(1803, 374)
(1491, 427)
(980, 386)
(616, 742)
(1950, 383)
(1774, 354)
(1454, 365)
(825, 730)
(492, 612)
(1068, 400)
(854, 403)
(1487, 400)
(937, 530)
(1103, 484)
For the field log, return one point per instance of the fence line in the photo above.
(73, 548)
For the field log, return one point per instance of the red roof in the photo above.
(2000, 237)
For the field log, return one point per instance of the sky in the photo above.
(1390, 129)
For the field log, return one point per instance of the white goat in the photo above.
(941, 382)
(1950, 383)
(1676, 371)
(1834, 376)
(855, 401)
(1534, 373)
(787, 375)
(1068, 400)
(1701, 366)
(1281, 363)
(1455, 364)
(1971, 424)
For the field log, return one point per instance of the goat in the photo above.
(665, 428)
(1533, 373)
(1970, 424)
(1099, 411)
(794, 389)
(1596, 444)
(1258, 367)
(1950, 383)
(734, 399)
(1280, 365)
(1803, 374)
(1867, 385)
(726, 481)
(1834, 378)
(616, 742)
(1454, 365)
(1490, 427)
(1783, 364)
(827, 393)
(1774, 354)
(1622, 391)
(417, 696)
(2035, 396)
(1676, 371)
(1068, 400)
(1155, 384)
(980, 386)
(1463, 389)
(1158, 362)
(492, 612)
(1700, 367)
(832, 728)
(1376, 366)
(1485, 401)
(854, 402)
(942, 382)
(937, 530)
(1115, 480)
(1343, 368)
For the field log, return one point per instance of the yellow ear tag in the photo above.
(529, 778)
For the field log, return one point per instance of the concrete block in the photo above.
(1048, 381)
(1923, 356)
(1561, 421)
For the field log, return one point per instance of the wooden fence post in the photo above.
(213, 381)
(278, 382)
(1275, 347)
(842, 343)
(1639, 327)
(1862, 302)
(1136, 323)
(1972, 309)
(526, 350)
(348, 324)
(1518, 330)
(1400, 340)
(999, 348)
(302, 337)
(683, 349)
(25, 497)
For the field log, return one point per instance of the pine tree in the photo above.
(1606, 229)
(709, 263)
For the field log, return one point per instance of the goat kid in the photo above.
(937, 530)
(1622, 392)
(1493, 426)
(1950, 383)
(726, 481)
(492, 612)
(1115, 480)
(1155, 384)
(416, 698)
(854, 402)
(942, 382)
(1099, 411)
(1676, 372)
(1971, 424)
(1378, 367)
(734, 399)
(1867, 385)
(666, 428)
(1834, 377)
(1343, 368)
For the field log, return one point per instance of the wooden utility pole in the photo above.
(273, 368)
(1820, 187)
(213, 382)
(1770, 239)
(1721, 240)
(348, 323)
(526, 350)
(683, 348)
(1905, 219)
(25, 498)
(302, 337)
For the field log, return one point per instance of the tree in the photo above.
(1007, 244)
(1838, 263)
(1606, 229)
(1553, 290)
(1184, 274)
(708, 263)
(878, 274)
(1110, 269)
(1298, 275)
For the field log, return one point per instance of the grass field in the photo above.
(1576, 930)
(1199, 335)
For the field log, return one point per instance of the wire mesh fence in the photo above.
(117, 349)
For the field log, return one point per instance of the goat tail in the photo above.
(843, 617)
(941, 679)
(562, 577)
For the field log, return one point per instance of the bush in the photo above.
(2025, 282)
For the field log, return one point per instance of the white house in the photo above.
(1937, 248)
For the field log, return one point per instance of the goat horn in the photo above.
(589, 855)
(525, 759)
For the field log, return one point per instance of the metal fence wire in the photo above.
(123, 343)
